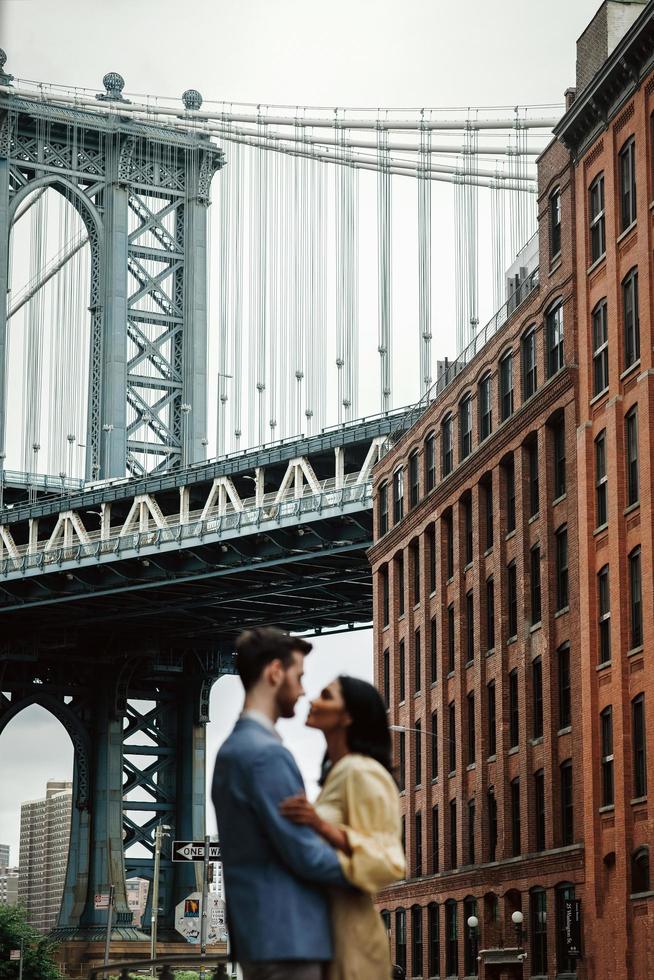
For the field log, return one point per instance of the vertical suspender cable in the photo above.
(384, 271)
(424, 261)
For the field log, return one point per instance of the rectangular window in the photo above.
(567, 806)
(450, 639)
(492, 719)
(467, 527)
(387, 678)
(600, 348)
(417, 844)
(488, 499)
(417, 662)
(400, 583)
(555, 224)
(435, 841)
(447, 447)
(470, 627)
(601, 480)
(382, 509)
(597, 219)
(506, 386)
(539, 799)
(627, 164)
(415, 564)
(492, 826)
(485, 408)
(449, 544)
(512, 597)
(561, 568)
(402, 669)
(490, 614)
(514, 717)
(401, 765)
(471, 831)
(398, 495)
(465, 423)
(431, 552)
(430, 462)
(453, 844)
(554, 334)
(535, 585)
(565, 714)
(433, 939)
(537, 691)
(532, 459)
(414, 485)
(559, 460)
(631, 319)
(433, 649)
(529, 369)
(604, 603)
(451, 731)
(418, 752)
(635, 590)
(638, 736)
(386, 605)
(509, 487)
(515, 817)
(631, 434)
(472, 731)
(606, 735)
(434, 745)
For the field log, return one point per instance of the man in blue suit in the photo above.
(276, 872)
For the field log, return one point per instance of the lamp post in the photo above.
(517, 918)
(185, 410)
(3, 456)
(158, 838)
(473, 925)
(107, 428)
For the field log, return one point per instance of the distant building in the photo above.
(8, 886)
(4, 855)
(137, 896)
(44, 839)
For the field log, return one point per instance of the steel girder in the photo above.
(142, 192)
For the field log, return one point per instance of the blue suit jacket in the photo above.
(275, 871)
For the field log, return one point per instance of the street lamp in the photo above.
(185, 409)
(107, 428)
(159, 834)
(3, 456)
(473, 924)
(517, 918)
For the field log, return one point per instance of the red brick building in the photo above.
(512, 572)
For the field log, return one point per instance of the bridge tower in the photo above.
(142, 191)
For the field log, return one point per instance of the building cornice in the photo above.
(553, 389)
(616, 81)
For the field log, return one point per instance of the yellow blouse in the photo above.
(361, 797)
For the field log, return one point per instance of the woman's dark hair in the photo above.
(369, 733)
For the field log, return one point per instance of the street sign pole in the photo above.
(204, 921)
(155, 896)
(20, 965)
(107, 942)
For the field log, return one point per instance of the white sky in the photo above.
(300, 52)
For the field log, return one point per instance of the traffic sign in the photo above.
(102, 900)
(193, 850)
(14, 954)
(187, 919)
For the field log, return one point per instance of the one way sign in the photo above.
(193, 850)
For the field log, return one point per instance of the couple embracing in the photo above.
(300, 879)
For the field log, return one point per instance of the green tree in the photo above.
(38, 959)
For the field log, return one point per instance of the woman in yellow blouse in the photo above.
(358, 812)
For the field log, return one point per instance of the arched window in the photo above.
(485, 396)
(538, 929)
(631, 321)
(470, 967)
(382, 509)
(433, 939)
(465, 425)
(400, 937)
(386, 919)
(414, 485)
(398, 495)
(430, 462)
(640, 880)
(627, 166)
(446, 444)
(506, 385)
(416, 940)
(597, 219)
(529, 368)
(600, 348)
(555, 223)
(451, 940)
(554, 339)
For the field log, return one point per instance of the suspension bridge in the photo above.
(192, 403)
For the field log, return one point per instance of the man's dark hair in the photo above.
(257, 648)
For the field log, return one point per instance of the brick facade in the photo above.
(517, 507)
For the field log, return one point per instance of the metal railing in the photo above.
(163, 967)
